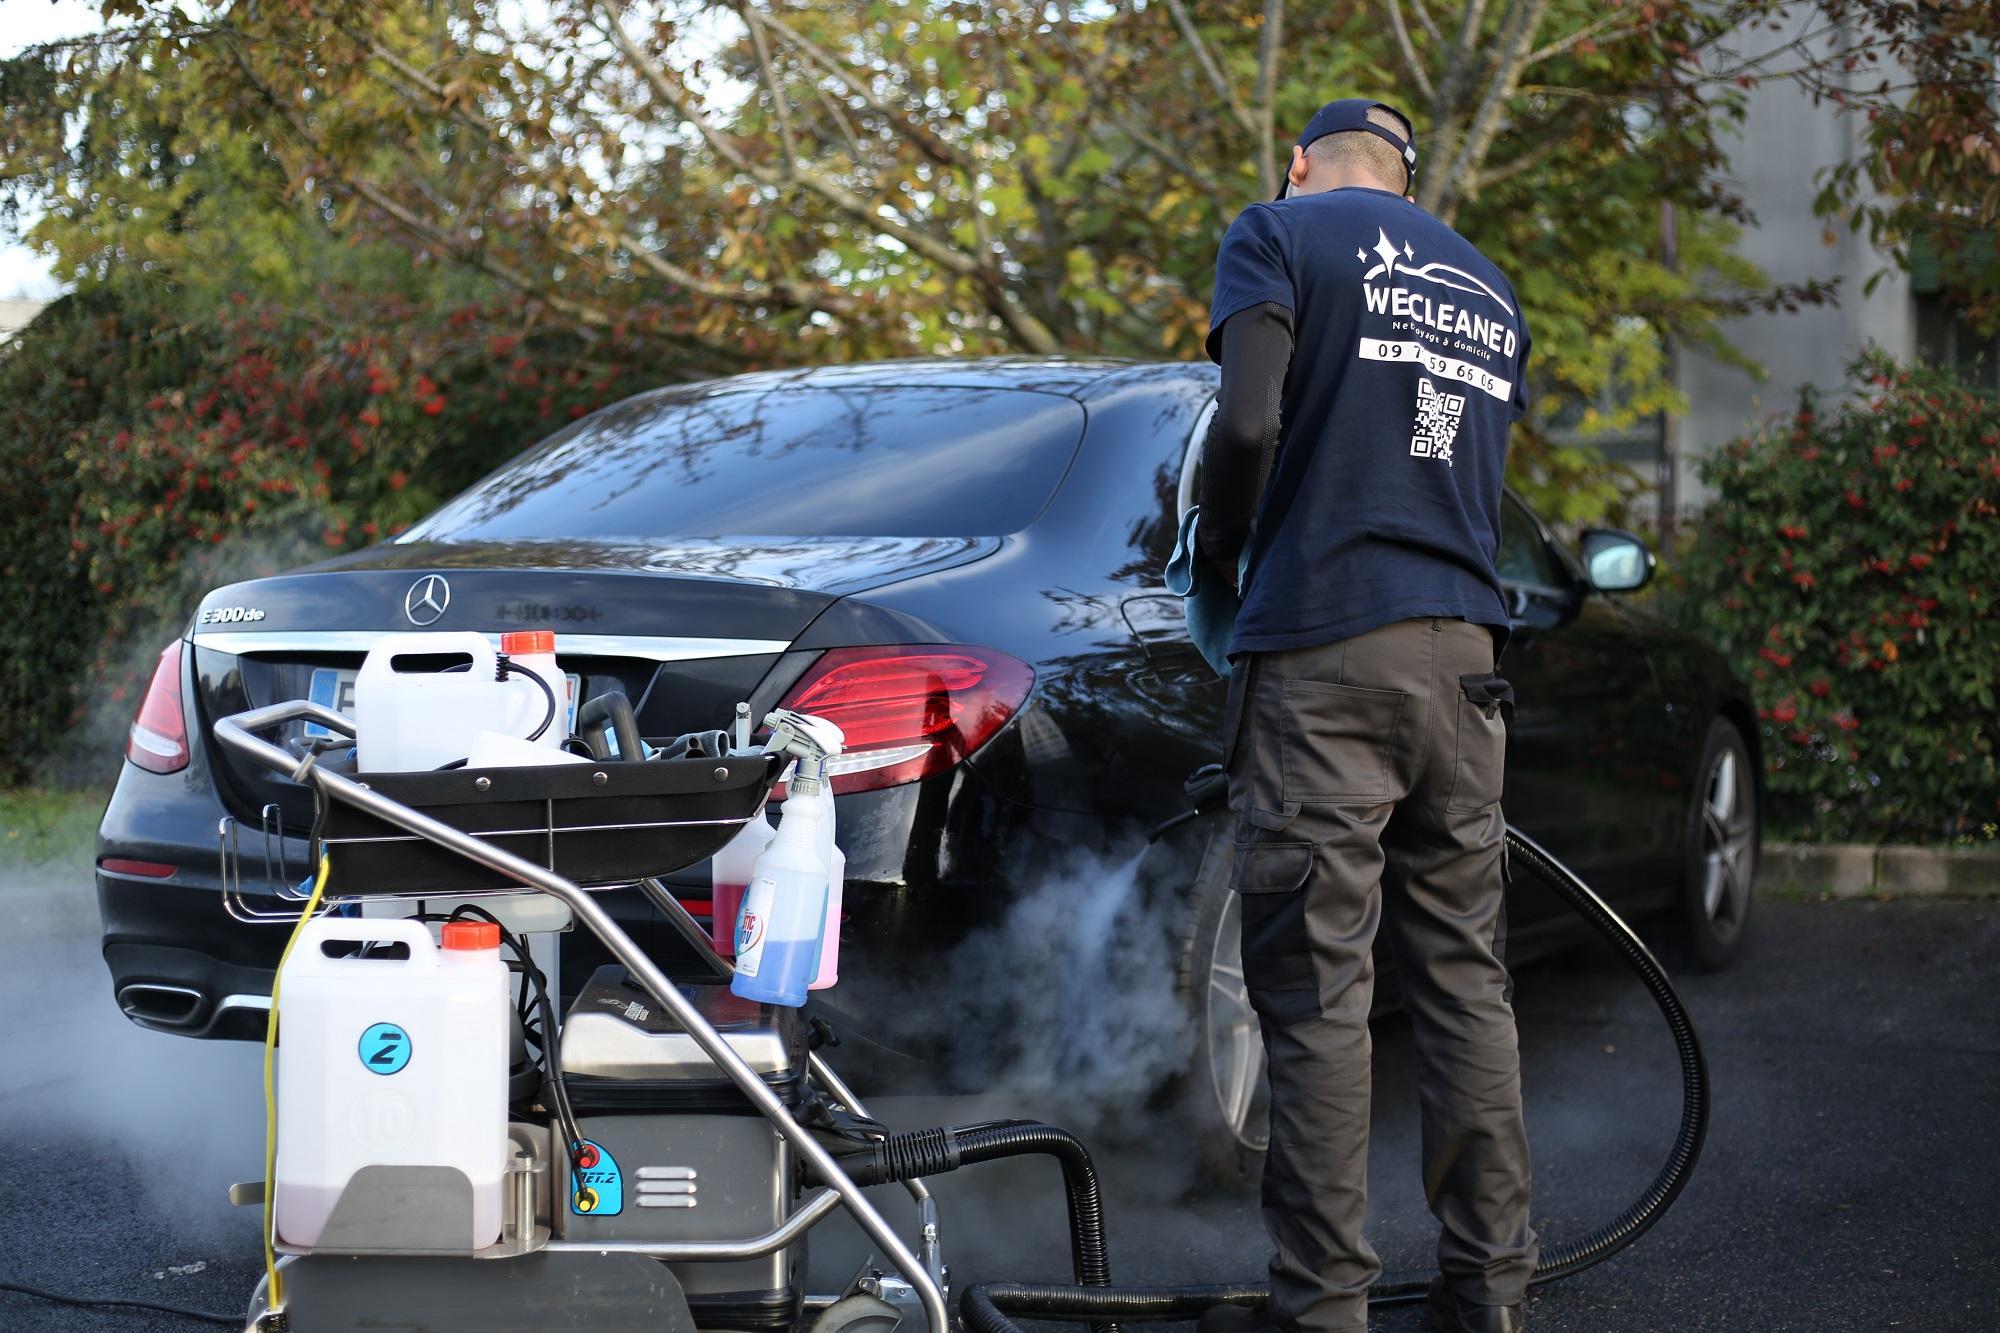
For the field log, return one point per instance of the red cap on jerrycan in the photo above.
(521, 642)
(471, 935)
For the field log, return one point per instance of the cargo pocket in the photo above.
(1338, 741)
(1278, 970)
(1481, 769)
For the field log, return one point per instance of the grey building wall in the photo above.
(1786, 141)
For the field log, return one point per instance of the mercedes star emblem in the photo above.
(427, 599)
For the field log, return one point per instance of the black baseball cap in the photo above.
(1351, 113)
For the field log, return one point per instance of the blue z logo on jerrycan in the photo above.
(384, 1048)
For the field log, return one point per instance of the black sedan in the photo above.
(961, 563)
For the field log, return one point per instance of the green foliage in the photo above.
(798, 182)
(156, 455)
(1850, 563)
(81, 358)
(1918, 82)
(37, 826)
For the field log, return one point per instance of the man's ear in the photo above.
(1299, 168)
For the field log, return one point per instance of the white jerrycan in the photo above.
(391, 1062)
(407, 719)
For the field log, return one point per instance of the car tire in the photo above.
(1721, 845)
(1222, 1101)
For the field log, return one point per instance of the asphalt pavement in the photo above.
(1848, 1181)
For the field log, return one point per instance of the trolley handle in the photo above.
(239, 732)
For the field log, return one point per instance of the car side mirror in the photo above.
(1615, 561)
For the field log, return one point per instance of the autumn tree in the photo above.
(746, 183)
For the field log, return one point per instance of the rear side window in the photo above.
(1524, 556)
(856, 460)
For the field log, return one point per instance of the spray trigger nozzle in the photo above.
(811, 740)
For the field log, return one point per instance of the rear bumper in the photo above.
(189, 994)
(179, 963)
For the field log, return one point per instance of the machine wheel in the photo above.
(1722, 842)
(1224, 1097)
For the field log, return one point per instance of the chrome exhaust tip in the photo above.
(156, 1004)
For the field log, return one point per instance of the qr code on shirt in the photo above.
(1438, 415)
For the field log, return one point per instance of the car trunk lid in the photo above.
(684, 629)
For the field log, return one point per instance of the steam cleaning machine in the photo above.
(444, 1154)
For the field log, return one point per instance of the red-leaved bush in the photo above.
(153, 458)
(1850, 564)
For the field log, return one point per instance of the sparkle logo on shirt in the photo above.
(1392, 260)
(1438, 415)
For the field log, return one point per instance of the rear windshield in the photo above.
(863, 461)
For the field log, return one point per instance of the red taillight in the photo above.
(909, 712)
(159, 741)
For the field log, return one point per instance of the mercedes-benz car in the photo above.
(960, 562)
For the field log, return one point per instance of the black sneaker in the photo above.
(1451, 1313)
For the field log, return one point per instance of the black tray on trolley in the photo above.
(595, 823)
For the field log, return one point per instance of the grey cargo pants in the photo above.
(1365, 784)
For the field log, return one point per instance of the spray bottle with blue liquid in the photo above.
(784, 915)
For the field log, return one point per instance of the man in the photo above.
(1372, 362)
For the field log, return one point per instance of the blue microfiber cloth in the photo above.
(1210, 598)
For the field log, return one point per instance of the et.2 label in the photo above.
(596, 1185)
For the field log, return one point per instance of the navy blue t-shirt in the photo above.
(1408, 355)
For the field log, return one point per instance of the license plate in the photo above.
(333, 687)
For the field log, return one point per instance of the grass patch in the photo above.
(38, 825)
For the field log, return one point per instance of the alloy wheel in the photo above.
(1728, 836)
(1237, 1075)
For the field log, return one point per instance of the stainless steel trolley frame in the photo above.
(924, 1275)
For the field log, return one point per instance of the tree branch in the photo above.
(1030, 332)
(938, 150)
(1588, 32)
(590, 322)
(1429, 24)
(1411, 64)
(1517, 31)
(840, 121)
(1093, 80)
(1176, 159)
(1206, 60)
(676, 97)
(1550, 145)
(1468, 35)
(752, 294)
(1269, 48)
(786, 143)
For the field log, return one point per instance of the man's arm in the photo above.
(1242, 438)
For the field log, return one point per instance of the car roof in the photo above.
(1081, 378)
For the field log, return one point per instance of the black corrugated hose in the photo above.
(935, 1152)
(987, 1306)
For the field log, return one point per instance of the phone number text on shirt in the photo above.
(1444, 367)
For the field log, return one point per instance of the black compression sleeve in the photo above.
(1242, 438)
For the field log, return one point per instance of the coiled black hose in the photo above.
(988, 1306)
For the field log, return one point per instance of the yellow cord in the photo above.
(274, 1296)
